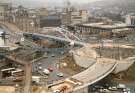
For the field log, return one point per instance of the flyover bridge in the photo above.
(96, 69)
(97, 72)
(56, 38)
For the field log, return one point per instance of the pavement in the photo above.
(7, 89)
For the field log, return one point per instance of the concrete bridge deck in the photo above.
(56, 38)
(96, 72)
(100, 68)
(97, 68)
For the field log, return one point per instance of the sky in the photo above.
(83, 1)
(31, 3)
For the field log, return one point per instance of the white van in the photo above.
(46, 71)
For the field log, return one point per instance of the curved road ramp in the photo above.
(97, 69)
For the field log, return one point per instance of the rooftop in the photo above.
(104, 25)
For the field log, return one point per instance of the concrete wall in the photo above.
(123, 65)
(84, 90)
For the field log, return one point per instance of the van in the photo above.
(46, 71)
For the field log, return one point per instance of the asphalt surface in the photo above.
(51, 61)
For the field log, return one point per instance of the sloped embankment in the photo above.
(128, 75)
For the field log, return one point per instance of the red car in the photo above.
(50, 69)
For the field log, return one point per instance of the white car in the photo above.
(46, 71)
(52, 55)
(113, 88)
(56, 91)
(40, 68)
(39, 64)
(60, 74)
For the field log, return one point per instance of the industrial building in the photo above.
(105, 30)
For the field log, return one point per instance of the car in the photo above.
(62, 52)
(60, 74)
(39, 63)
(52, 55)
(46, 71)
(126, 90)
(50, 69)
(113, 88)
(45, 77)
(45, 56)
(40, 68)
(56, 91)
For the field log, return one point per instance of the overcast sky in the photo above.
(47, 3)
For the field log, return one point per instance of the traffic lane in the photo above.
(51, 62)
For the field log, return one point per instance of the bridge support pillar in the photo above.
(27, 86)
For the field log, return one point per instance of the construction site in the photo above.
(49, 63)
(66, 50)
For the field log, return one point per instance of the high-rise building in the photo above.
(1, 38)
(130, 19)
(4, 8)
(85, 15)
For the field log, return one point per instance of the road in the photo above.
(93, 74)
(112, 45)
(51, 62)
(56, 38)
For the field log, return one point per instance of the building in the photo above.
(130, 19)
(43, 12)
(104, 29)
(2, 43)
(66, 18)
(78, 17)
(26, 19)
(4, 11)
(93, 19)
(50, 21)
(74, 17)
(85, 15)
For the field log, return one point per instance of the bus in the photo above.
(18, 72)
(7, 72)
